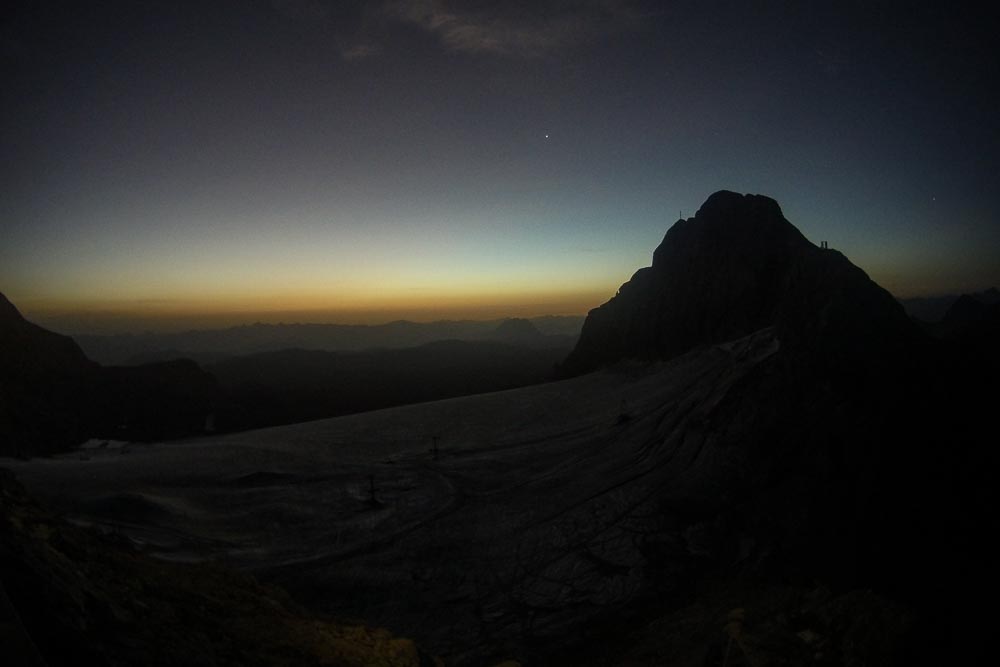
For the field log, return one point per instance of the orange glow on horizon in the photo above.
(107, 316)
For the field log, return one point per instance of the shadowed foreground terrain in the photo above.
(288, 386)
(771, 464)
(70, 596)
(593, 502)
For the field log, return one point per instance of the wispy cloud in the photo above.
(520, 29)
(302, 10)
(513, 28)
(359, 51)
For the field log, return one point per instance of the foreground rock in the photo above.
(73, 597)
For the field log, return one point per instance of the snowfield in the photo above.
(541, 508)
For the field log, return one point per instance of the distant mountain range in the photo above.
(211, 345)
(54, 397)
(933, 309)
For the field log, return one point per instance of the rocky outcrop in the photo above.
(158, 401)
(734, 268)
(27, 348)
(42, 378)
(52, 397)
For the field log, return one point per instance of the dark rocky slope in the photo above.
(41, 379)
(857, 453)
(298, 385)
(736, 267)
(52, 397)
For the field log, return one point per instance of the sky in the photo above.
(167, 164)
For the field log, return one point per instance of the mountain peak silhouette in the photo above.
(28, 348)
(7, 309)
(736, 267)
(52, 397)
(517, 329)
(730, 223)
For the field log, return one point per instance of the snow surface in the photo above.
(537, 512)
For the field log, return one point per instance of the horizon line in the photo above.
(122, 321)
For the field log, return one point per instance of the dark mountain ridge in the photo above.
(969, 314)
(41, 377)
(52, 397)
(932, 309)
(27, 348)
(287, 386)
(213, 345)
(736, 267)
(844, 446)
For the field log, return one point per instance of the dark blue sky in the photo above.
(421, 158)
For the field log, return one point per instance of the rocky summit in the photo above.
(736, 267)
